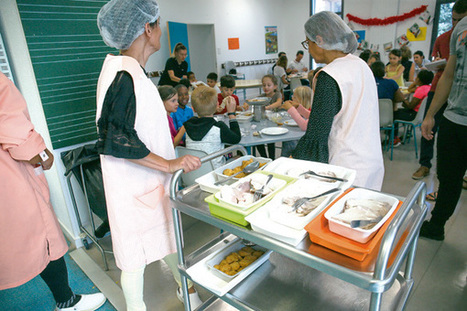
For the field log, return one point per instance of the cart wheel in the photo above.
(85, 243)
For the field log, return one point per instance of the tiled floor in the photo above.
(440, 271)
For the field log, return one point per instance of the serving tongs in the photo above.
(363, 223)
(323, 176)
(302, 201)
(258, 194)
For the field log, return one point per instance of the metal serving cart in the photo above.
(296, 278)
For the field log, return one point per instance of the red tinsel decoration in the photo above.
(387, 20)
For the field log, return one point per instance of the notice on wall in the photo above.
(416, 33)
(271, 39)
(234, 43)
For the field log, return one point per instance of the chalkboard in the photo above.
(67, 53)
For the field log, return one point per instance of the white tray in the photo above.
(260, 222)
(204, 276)
(293, 168)
(358, 234)
(279, 212)
(235, 163)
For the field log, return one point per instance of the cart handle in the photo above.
(416, 194)
(209, 157)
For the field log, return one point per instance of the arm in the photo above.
(412, 104)
(412, 88)
(302, 123)
(400, 72)
(277, 103)
(303, 111)
(178, 138)
(173, 77)
(188, 163)
(441, 96)
(412, 72)
(284, 79)
(398, 96)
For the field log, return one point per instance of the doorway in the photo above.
(201, 45)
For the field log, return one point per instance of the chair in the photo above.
(188, 179)
(84, 163)
(412, 125)
(386, 115)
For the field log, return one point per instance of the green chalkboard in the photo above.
(67, 53)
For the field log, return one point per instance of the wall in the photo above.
(383, 34)
(238, 18)
(202, 49)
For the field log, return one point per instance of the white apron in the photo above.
(354, 140)
(138, 205)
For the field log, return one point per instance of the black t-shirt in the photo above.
(179, 70)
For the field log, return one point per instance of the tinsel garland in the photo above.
(388, 20)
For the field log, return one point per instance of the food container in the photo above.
(259, 107)
(294, 167)
(358, 234)
(236, 215)
(236, 163)
(275, 184)
(235, 247)
(280, 213)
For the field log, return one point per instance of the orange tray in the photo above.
(319, 233)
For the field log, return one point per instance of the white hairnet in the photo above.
(330, 32)
(120, 22)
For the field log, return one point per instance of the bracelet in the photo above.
(230, 113)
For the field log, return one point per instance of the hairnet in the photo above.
(333, 33)
(120, 22)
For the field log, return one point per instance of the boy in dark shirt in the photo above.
(204, 132)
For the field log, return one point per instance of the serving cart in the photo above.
(297, 277)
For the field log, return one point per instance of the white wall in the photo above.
(238, 18)
(202, 49)
(383, 34)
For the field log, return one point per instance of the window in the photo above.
(4, 66)
(443, 19)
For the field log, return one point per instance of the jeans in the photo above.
(427, 146)
(405, 115)
(451, 166)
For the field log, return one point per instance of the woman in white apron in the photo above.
(343, 128)
(134, 141)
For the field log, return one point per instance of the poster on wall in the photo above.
(416, 33)
(234, 43)
(387, 47)
(271, 39)
(403, 40)
(426, 17)
(360, 34)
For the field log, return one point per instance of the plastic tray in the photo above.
(319, 233)
(202, 274)
(217, 257)
(358, 234)
(231, 213)
(236, 163)
(278, 211)
(293, 168)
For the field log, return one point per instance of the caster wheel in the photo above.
(85, 243)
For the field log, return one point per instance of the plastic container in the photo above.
(275, 185)
(358, 234)
(236, 163)
(235, 247)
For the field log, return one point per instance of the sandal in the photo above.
(432, 196)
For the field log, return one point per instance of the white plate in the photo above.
(290, 123)
(203, 276)
(293, 168)
(274, 131)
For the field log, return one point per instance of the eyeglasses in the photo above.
(305, 44)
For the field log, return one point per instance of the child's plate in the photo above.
(273, 131)
(290, 123)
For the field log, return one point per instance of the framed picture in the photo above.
(271, 39)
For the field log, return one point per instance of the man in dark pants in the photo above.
(452, 137)
(440, 51)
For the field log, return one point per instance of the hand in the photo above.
(230, 104)
(287, 105)
(427, 127)
(246, 106)
(188, 163)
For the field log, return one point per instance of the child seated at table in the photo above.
(395, 70)
(204, 132)
(183, 112)
(227, 90)
(211, 80)
(408, 113)
(170, 99)
(193, 81)
(270, 85)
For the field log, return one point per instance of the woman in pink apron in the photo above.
(343, 128)
(137, 154)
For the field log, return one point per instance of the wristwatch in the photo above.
(230, 113)
(44, 156)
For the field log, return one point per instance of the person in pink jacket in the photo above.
(32, 241)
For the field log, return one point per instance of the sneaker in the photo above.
(422, 172)
(195, 301)
(397, 142)
(87, 303)
(431, 231)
